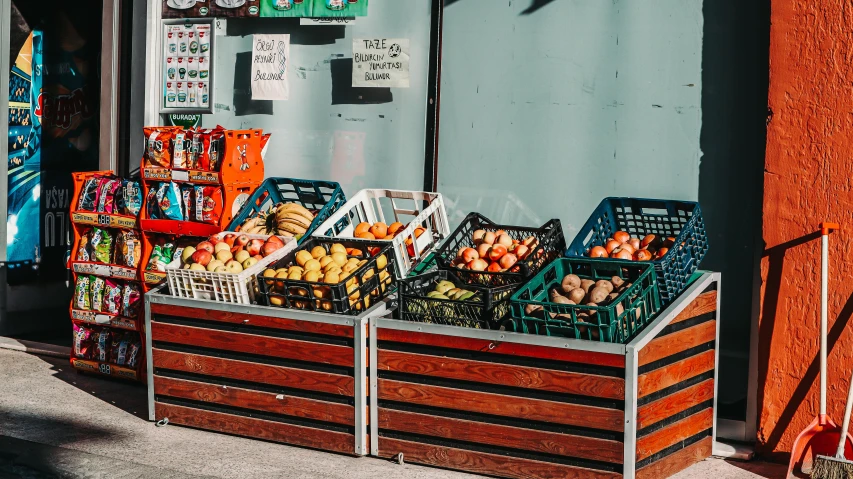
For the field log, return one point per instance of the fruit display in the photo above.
(439, 297)
(344, 277)
(588, 299)
(231, 253)
(482, 252)
(282, 219)
(623, 246)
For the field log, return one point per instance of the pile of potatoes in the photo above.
(324, 268)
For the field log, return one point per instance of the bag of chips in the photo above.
(181, 146)
(169, 200)
(152, 206)
(82, 293)
(82, 347)
(112, 297)
(107, 195)
(207, 148)
(102, 245)
(98, 285)
(102, 345)
(158, 141)
(84, 251)
(133, 353)
(130, 300)
(89, 194)
(187, 201)
(208, 204)
(129, 199)
(119, 350)
(128, 249)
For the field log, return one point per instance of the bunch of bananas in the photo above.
(282, 219)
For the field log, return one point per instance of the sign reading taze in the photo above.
(380, 62)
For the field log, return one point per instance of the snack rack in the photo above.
(240, 172)
(81, 222)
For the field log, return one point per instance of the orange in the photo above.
(379, 230)
(362, 228)
(365, 235)
(394, 228)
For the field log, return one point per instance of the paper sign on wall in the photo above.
(270, 57)
(380, 62)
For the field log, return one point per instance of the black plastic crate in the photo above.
(639, 217)
(550, 246)
(616, 322)
(489, 308)
(355, 292)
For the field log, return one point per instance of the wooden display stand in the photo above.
(523, 406)
(82, 220)
(268, 373)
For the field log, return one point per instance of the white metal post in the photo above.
(110, 81)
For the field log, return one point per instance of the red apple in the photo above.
(489, 237)
(254, 247)
(497, 252)
(521, 251)
(494, 268)
(468, 254)
(508, 261)
(478, 265)
(202, 257)
(483, 250)
(229, 239)
(242, 240)
(271, 247)
(257, 257)
(213, 240)
(276, 240)
(205, 245)
(505, 240)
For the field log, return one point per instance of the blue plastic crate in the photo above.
(640, 217)
(324, 197)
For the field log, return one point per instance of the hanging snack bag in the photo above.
(158, 140)
(130, 300)
(208, 204)
(155, 262)
(129, 199)
(82, 294)
(118, 352)
(102, 345)
(181, 144)
(89, 194)
(98, 286)
(107, 195)
(84, 252)
(128, 249)
(187, 192)
(133, 353)
(102, 246)
(169, 200)
(152, 207)
(82, 342)
(112, 297)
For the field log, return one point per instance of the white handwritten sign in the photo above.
(270, 57)
(380, 62)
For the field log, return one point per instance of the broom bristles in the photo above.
(826, 467)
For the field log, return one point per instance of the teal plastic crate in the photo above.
(323, 197)
(617, 322)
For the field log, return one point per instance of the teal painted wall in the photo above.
(549, 106)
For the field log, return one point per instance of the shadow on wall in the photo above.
(534, 5)
(735, 66)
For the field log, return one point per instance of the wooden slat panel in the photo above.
(499, 435)
(487, 464)
(257, 428)
(675, 343)
(251, 319)
(254, 344)
(258, 400)
(259, 373)
(482, 345)
(674, 433)
(674, 403)
(678, 461)
(500, 405)
(503, 374)
(704, 303)
(662, 378)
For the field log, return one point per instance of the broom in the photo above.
(837, 467)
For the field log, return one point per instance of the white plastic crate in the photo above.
(408, 208)
(223, 287)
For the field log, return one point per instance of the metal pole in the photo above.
(110, 78)
(5, 41)
(433, 96)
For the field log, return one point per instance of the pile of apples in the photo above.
(494, 252)
(232, 253)
(623, 246)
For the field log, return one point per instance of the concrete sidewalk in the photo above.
(55, 422)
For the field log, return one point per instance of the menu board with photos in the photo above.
(186, 8)
(264, 8)
(187, 66)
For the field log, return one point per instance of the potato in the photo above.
(612, 297)
(598, 295)
(563, 300)
(587, 284)
(617, 282)
(532, 308)
(604, 284)
(577, 295)
(570, 282)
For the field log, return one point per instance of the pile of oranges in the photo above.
(623, 246)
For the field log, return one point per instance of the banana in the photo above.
(292, 228)
(297, 209)
(257, 230)
(249, 224)
(293, 218)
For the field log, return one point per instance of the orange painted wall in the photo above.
(808, 178)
